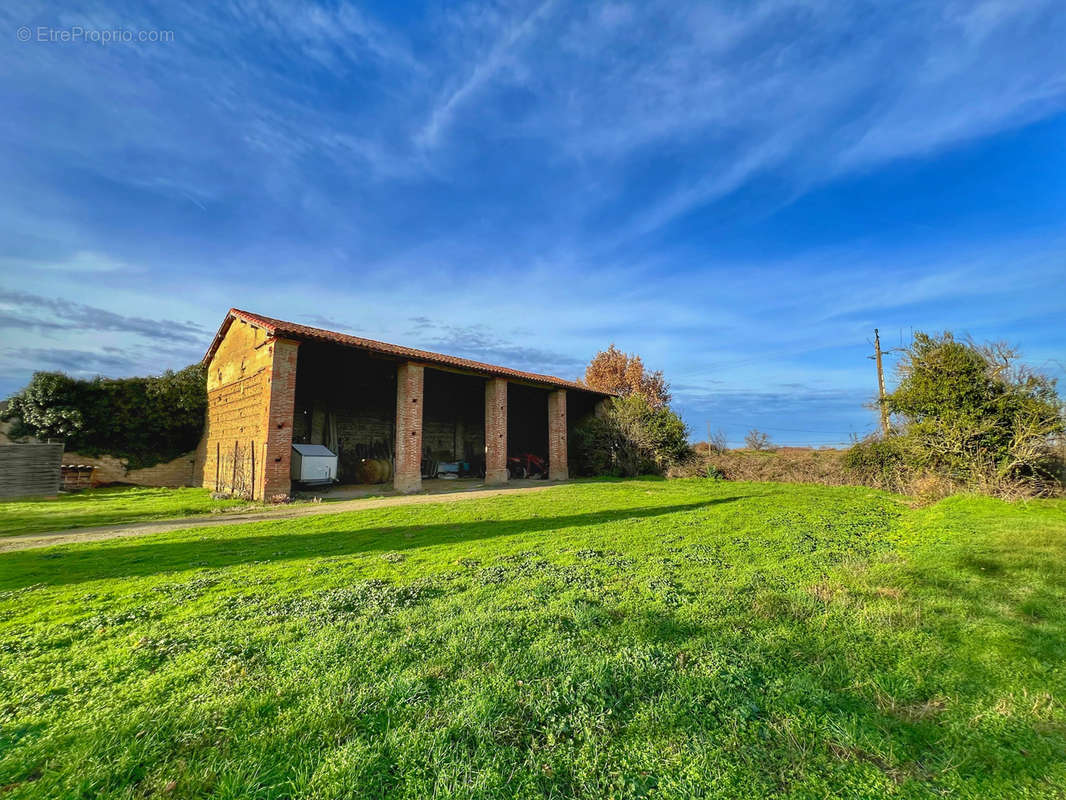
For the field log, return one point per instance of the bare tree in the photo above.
(717, 441)
(757, 440)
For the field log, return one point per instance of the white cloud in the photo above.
(502, 163)
(80, 263)
(483, 71)
(812, 89)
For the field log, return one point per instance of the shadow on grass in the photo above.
(897, 686)
(951, 678)
(214, 548)
(1021, 595)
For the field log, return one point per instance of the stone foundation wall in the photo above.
(181, 471)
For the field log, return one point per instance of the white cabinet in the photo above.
(313, 463)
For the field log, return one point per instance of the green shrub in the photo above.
(147, 420)
(630, 438)
(966, 416)
(973, 415)
(878, 462)
(715, 474)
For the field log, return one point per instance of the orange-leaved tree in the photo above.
(624, 374)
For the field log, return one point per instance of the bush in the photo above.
(878, 462)
(973, 416)
(631, 438)
(146, 420)
(967, 417)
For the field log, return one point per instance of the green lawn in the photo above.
(619, 639)
(106, 507)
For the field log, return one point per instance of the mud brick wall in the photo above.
(251, 383)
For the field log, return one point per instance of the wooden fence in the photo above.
(29, 470)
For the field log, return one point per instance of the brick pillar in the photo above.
(277, 452)
(408, 474)
(495, 431)
(557, 469)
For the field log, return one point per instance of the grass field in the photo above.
(107, 506)
(620, 639)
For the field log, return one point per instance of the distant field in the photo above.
(108, 506)
(637, 638)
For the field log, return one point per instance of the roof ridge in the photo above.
(295, 330)
(273, 322)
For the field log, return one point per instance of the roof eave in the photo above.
(438, 360)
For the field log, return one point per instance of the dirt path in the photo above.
(74, 535)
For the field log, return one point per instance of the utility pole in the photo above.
(881, 401)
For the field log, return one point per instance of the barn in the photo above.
(273, 384)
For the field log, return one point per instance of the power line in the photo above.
(804, 430)
(799, 430)
(814, 441)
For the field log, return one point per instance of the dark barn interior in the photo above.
(346, 399)
(453, 418)
(527, 430)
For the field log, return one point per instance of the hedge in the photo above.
(146, 420)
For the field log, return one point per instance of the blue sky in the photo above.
(739, 191)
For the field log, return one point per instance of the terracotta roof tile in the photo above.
(292, 330)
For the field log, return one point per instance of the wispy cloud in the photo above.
(532, 181)
(327, 323)
(482, 72)
(482, 343)
(34, 312)
(74, 362)
(82, 262)
(806, 90)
